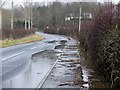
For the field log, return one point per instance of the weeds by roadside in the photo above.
(28, 39)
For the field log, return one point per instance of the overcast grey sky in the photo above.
(64, 0)
(18, 2)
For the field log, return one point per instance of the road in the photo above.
(17, 69)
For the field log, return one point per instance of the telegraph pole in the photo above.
(80, 17)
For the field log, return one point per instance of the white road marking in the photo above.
(33, 48)
(13, 56)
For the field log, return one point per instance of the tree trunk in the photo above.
(25, 17)
(0, 19)
(25, 23)
(29, 23)
(31, 13)
(12, 16)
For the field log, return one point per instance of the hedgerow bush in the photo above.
(84, 35)
(102, 41)
(16, 33)
(68, 29)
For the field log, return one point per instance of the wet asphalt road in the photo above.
(18, 71)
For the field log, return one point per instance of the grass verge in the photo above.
(28, 39)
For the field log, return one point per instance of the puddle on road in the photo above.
(46, 54)
(39, 66)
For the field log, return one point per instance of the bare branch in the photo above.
(2, 4)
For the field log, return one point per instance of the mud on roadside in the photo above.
(68, 72)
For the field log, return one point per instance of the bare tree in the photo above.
(1, 5)
(12, 15)
(31, 13)
(25, 14)
(28, 15)
(0, 19)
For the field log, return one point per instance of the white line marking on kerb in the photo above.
(13, 56)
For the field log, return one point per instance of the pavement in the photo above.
(68, 72)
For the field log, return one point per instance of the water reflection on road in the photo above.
(34, 73)
(29, 74)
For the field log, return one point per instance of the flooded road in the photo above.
(32, 75)
(58, 64)
(28, 69)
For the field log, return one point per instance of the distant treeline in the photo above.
(52, 17)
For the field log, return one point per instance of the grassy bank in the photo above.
(28, 39)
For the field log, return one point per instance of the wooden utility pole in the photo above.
(80, 17)
(12, 16)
